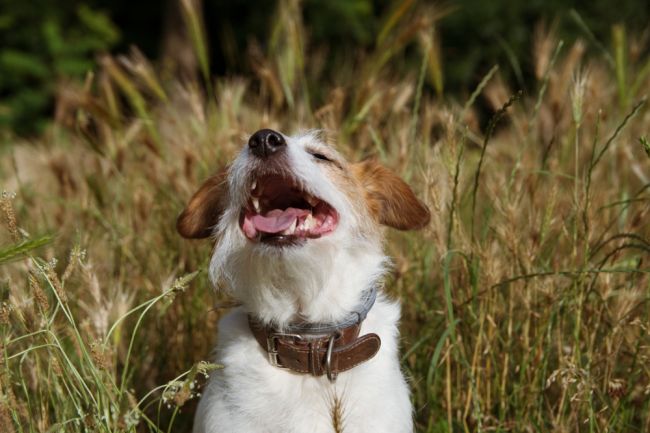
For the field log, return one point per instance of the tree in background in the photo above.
(47, 41)
(43, 43)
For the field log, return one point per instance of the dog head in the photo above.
(290, 214)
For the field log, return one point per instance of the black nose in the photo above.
(266, 142)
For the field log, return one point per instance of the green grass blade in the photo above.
(21, 249)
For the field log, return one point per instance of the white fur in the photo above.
(321, 281)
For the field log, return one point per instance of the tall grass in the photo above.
(525, 302)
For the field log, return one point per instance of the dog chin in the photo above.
(234, 249)
(255, 273)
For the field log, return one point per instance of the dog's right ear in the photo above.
(203, 211)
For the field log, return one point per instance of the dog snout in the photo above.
(266, 142)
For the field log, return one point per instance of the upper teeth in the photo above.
(256, 203)
(313, 201)
(254, 185)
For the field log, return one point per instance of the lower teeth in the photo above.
(291, 229)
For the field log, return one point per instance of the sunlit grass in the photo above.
(525, 302)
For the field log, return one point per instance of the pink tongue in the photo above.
(277, 220)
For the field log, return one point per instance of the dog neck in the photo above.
(322, 284)
(354, 318)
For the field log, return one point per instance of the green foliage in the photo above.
(356, 20)
(481, 33)
(45, 42)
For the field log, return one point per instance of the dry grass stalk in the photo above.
(533, 317)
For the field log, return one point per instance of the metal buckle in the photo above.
(328, 358)
(272, 347)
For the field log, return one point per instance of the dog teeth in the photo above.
(254, 185)
(309, 223)
(291, 229)
(303, 224)
(313, 201)
(256, 204)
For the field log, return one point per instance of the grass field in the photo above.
(525, 302)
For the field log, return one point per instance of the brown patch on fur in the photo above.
(204, 209)
(390, 200)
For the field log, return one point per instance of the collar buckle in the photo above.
(272, 347)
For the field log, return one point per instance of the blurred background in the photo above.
(46, 43)
(523, 125)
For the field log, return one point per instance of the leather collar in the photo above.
(319, 349)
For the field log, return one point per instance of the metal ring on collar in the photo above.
(328, 359)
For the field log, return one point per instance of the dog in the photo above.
(298, 233)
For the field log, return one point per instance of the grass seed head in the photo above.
(9, 214)
(39, 295)
(5, 311)
(580, 82)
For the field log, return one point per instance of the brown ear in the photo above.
(390, 199)
(204, 209)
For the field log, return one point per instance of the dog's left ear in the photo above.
(390, 200)
(203, 211)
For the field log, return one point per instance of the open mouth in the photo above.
(279, 212)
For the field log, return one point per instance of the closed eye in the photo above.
(324, 158)
(320, 156)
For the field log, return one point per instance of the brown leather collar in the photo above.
(316, 354)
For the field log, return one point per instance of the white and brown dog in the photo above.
(314, 346)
